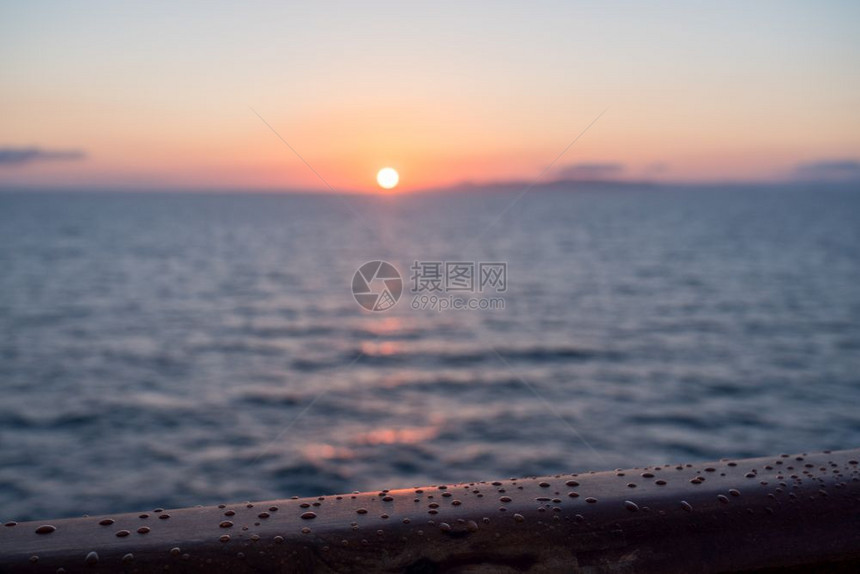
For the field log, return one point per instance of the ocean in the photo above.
(169, 349)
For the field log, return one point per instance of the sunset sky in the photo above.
(160, 95)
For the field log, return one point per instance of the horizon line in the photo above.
(466, 185)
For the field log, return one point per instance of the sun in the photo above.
(387, 178)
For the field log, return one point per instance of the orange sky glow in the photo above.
(160, 96)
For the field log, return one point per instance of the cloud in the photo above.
(656, 168)
(592, 171)
(829, 170)
(17, 156)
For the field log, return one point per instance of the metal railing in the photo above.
(800, 512)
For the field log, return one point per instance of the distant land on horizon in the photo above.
(513, 186)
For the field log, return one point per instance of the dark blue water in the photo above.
(172, 350)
